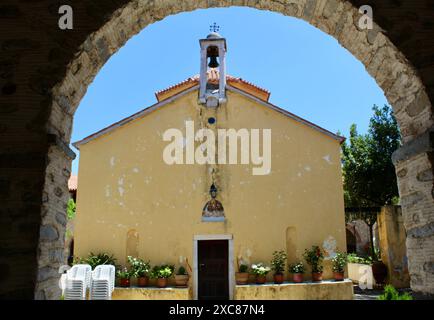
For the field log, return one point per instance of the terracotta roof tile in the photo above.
(213, 77)
(72, 183)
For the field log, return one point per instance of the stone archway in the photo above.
(121, 19)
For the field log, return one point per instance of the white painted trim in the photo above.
(231, 273)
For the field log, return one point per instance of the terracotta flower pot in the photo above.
(241, 278)
(142, 281)
(279, 278)
(316, 276)
(181, 280)
(339, 276)
(379, 271)
(297, 277)
(124, 283)
(261, 279)
(162, 282)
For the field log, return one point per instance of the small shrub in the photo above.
(243, 268)
(139, 267)
(260, 269)
(181, 271)
(390, 293)
(96, 259)
(163, 271)
(278, 262)
(123, 273)
(70, 209)
(339, 262)
(297, 268)
(353, 258)
(314, 258)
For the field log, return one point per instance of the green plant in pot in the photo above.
(314, 257)
(297, 269)
(96, 259)
(278, 266)
(260, 271)
(242, 276)
(140, 269)
(182, 277)
(162, 273)
(339, 263)
(124, 276)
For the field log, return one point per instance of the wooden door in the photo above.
(213, 273)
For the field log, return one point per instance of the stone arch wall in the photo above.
(69, 62)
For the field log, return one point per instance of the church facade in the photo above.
(211, 176)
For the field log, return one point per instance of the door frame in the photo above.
(231, 273)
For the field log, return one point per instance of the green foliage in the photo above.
(123, 273)
(278, 261)
(353, 258)
(314, 258)
(243, 268)
(96, 259)
(369, 174)
(70, 209)
(297, 267)
(139, 268)
(260, 269)
(339, 262)
(181, 271)
(390, 293)
(163, 271)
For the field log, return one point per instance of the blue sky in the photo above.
(306, 70)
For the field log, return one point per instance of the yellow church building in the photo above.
(211, 176)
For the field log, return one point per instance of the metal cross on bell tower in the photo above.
(214, 27)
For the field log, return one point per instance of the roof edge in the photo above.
(133, 117)
(288, 114)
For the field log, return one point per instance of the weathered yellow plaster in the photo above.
(393, 248)
(326, 290)
(125, 185)
(135, 293)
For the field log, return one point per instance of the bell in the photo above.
(213, 63)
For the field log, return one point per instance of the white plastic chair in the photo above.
(102, 282)
(77, 282)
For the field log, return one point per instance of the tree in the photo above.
(369, 174)
(70, 209)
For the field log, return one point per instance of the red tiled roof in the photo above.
(213, 77)
(72, 183)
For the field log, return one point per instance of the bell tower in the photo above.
(212, 57)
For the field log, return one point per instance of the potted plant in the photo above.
(260, 271)
(124, 277)
(242, 276)
(278, 266)
(297, 270)
(314, 258)
(181, 277)
(339, 263)
(162, 273)
(140, 270)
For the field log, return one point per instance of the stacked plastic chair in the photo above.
(77, 282)
(102, 283)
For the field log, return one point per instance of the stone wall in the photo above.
(44, 73)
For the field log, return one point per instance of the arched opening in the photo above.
(383, 61)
